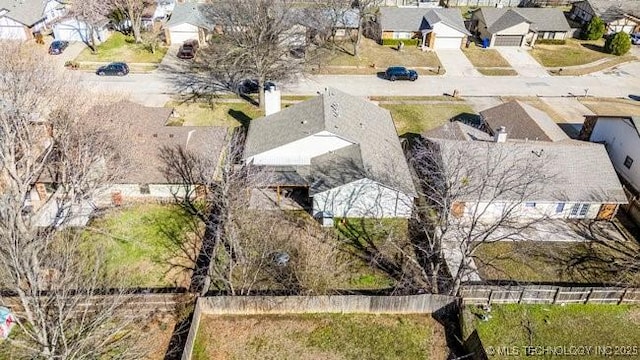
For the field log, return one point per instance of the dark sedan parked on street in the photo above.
(57, 47)
(400, 73)
(115, 68)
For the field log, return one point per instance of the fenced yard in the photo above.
(547, 294)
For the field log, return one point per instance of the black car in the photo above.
(400, 73)
(250, 86)
(115, 68)
(57, 47)
(188, 49)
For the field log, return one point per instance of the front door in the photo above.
(607, 211)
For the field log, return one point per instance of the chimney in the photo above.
(271, 101)
(501, 135)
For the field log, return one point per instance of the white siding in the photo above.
(133, 192)
(520, 29)
(548, 209)
(75, 30)
(12, 30)
(52, 11)
(301, 151)
(363, 198)
(621, 140)
(183, 32)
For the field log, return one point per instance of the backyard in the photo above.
(373, 58)
(139, 242)
(320, 336)
(417, 118)
(488, 61)
(120, 47)
(598, 331)
(614, 107)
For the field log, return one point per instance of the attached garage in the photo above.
(12, 30)
(187, 22)
(447, 42)
(181, 33)
(76, 30)
(508, 40)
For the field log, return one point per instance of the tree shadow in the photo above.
(468, 118)
(241, 117)
(595, 48)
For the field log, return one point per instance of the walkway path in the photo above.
(522, 62)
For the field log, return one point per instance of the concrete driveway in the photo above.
(456, 63)
(522, 62)
(70, 53)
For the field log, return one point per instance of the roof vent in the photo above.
(155, 135)
(303, 122)
(171, 135)
(334, 109)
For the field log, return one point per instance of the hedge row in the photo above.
(395, 42)
(551, 41)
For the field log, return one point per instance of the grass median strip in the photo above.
(418, 118)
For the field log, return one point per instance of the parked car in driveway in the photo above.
(250, 86)
(188, 49)
(400, 73)
(115, 68)
(635, 38)
(57, 47)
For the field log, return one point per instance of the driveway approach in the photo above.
(456, 63)
(522, 62)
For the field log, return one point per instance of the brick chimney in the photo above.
(271, 101)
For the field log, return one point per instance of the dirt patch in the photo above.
(158, 334)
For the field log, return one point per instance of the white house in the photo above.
(20, 20)
(72, 29)
(436, 28)
(570, 179)
(621, 137)
(519, 26)
(343, 150)
(187, 22)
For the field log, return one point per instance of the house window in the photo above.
(530, 204)
(559, 208)
(628, 161)
(579, 211)
(144, 189)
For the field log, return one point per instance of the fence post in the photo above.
(586, 301)
(521, 296)
(622, 297)
(555, 297)
(490, 297)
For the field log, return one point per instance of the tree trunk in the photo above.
(92, 39)
(135, 28)
(356, 45)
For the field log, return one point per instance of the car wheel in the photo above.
(392, 78)
(120, 73)
(101, 73)
(413, 79)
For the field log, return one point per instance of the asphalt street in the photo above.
(152, 88)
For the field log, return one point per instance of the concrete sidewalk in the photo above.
(522, 62)
(456, 63)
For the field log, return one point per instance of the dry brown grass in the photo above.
(612, 107)
(611, 62)
(487, 58)
(497, 72)
(157, 335)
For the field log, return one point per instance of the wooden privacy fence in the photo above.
(247, 305)
(543, 294)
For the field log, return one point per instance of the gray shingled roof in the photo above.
(190, 13)
(456, 130)
(610, 10)
(26, 12)
(412, 19)
(577, 171)
(541, 19)
(523, 121)
(351, 118)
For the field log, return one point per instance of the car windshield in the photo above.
(56, 44)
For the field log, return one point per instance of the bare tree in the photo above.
(56, 281)
(260, 39)
(366, 11)
(93, 13)
(133, 9)
(470, 193)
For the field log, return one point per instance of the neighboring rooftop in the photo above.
(610, 10)
(523, 121)
(376, 153)
(148, 133)
(541, 19)
(412, 19)
(26, 12)
(190, 13)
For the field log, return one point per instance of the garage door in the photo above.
(12, 33)
(447, 42)
(508, 40)
(178, 37)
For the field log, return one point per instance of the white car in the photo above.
(635, 38)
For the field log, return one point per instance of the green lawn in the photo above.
(319, 336)
(611, 62)
(575, 52)
(228, 114)
(418, 118)
(122, 48)
(138, 241)
(589, 326)
(580, 262)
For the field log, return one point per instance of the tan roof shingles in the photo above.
(523, 121)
